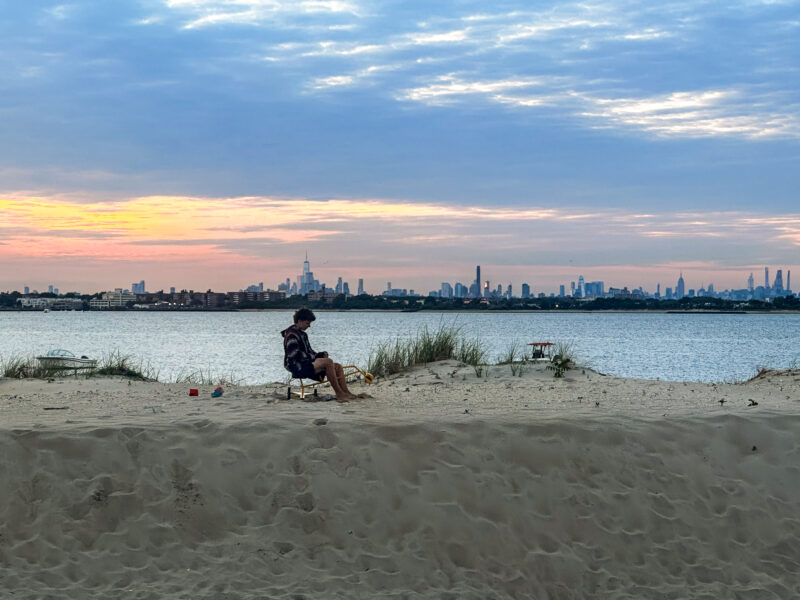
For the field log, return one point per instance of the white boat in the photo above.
(64, 359)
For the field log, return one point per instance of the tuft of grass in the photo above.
(207, 377)
(514, 357)
(563, 359)
(19, 367)
(444, 343)
(116, 364)
(15, 367)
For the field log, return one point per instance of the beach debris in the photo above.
(217, 392)
(56, 408)
(721, 401)
(466, 411)
(194, 392)
(752, 402)
(320, 422)
(754, 449)
(597, 403)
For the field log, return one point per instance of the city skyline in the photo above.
(306, 282)
(205, 143)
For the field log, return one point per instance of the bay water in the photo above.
(247, 346)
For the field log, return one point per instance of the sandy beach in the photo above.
(443, 485)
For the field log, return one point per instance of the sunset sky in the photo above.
(212, 143)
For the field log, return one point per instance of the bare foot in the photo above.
(346, 398)
(364, 395)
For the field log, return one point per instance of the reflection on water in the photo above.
(248, 346)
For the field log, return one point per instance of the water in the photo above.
(248, 347)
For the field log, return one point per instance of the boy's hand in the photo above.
(323, 355)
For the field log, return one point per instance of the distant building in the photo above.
(446, 290)
(680, 289)
(27, 290)
(117, 298)
(526, 290)
(360, 286)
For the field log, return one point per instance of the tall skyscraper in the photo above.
(360, 286)
(338, 289)
(788, 281)
(346, 288)
(561, 291)
(27, 290)
(778, 285)
(750, 283)
(581, 287)
(680, 289)
(477, 291)
(766, 277)
(526, 290)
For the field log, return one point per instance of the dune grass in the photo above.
(27, 367)
(207, 377)
(445, 343)
(112, 364)
(116, 364)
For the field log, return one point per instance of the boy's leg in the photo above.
(327, 365)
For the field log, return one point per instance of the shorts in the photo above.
(306, 371)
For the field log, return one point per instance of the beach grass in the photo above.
(117, 364)
(26, 367)
(447, 342)
(112, 364)
(207, 377)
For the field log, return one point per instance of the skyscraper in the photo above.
(750, 283)
(360, 286)
(778, 285)
(766, 277)
(476, 291)
(526, 290)
(680, 289)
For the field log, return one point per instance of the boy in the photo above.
(301, 360)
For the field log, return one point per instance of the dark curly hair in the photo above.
(304, 314)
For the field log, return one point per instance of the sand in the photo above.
(444, 485)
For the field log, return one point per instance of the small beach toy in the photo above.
(369, 377)
(217, 392)
(194, 392)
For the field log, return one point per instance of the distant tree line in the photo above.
(8, 301)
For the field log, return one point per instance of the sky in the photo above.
(209, 144)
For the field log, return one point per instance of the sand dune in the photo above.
(138, 491)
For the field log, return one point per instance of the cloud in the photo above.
(704, 113)
(208, 13)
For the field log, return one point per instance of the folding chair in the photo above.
(351, 373)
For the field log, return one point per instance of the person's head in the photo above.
(303, 318)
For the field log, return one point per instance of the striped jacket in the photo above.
(297, 349)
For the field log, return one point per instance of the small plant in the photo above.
(201, 377)
(15, 367)
(562, 360)
(18, 367)
(116, 364)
